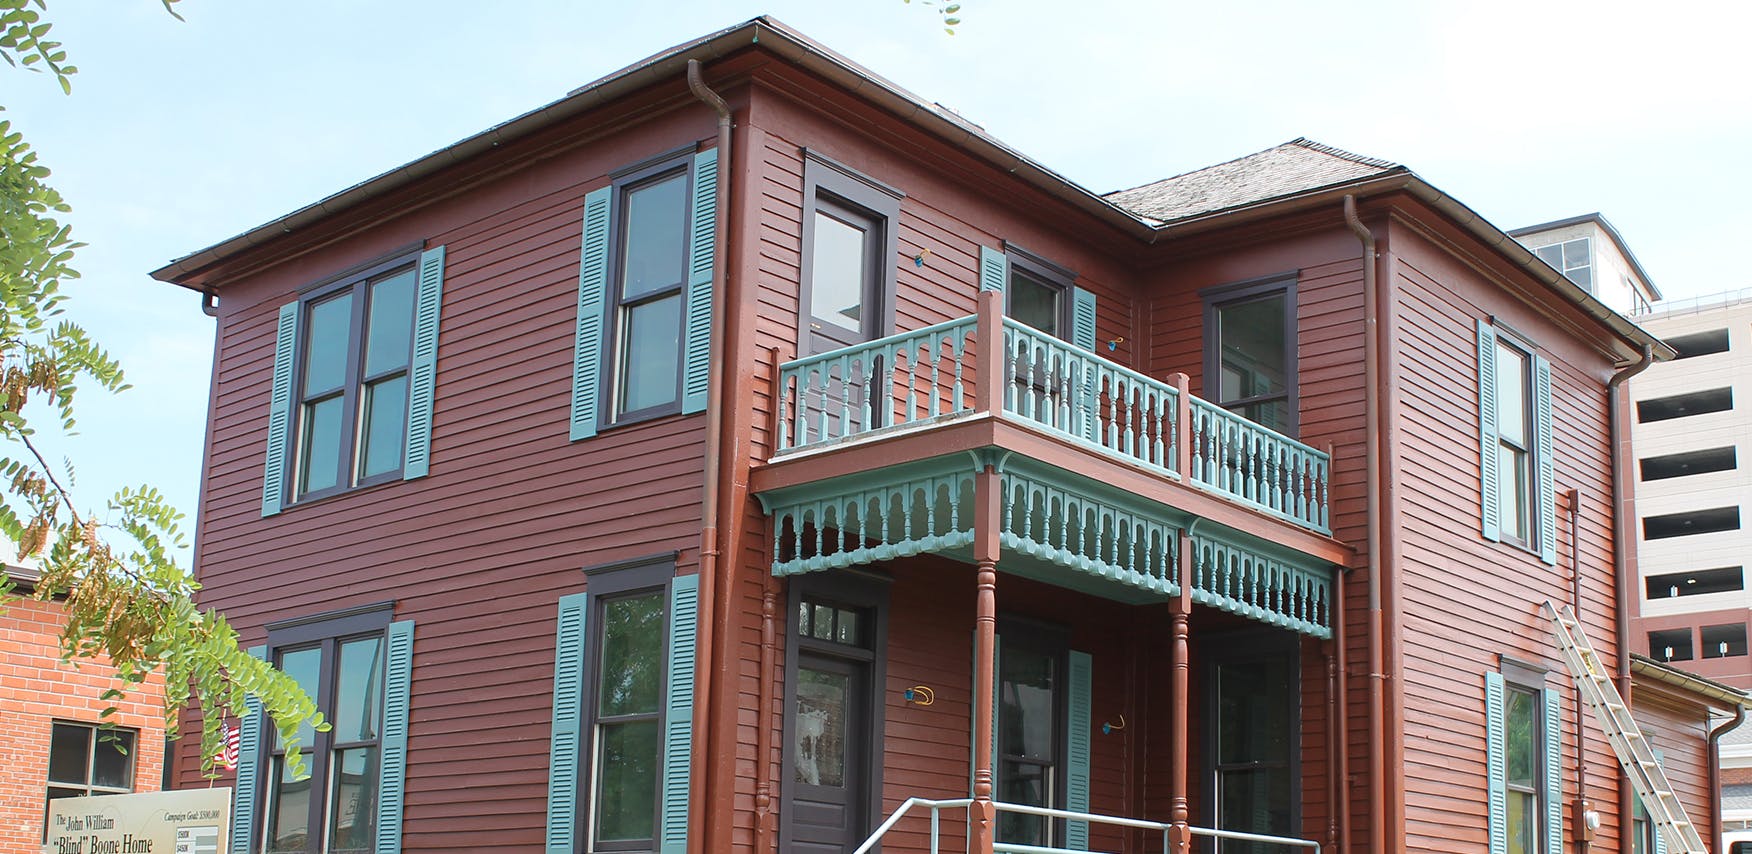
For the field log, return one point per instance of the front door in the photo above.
(1253, 741)
(829, 767)
(832, 774)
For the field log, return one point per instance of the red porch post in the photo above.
(982, 818)
(1180, 607)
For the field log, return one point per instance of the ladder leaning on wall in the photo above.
(1635, 755)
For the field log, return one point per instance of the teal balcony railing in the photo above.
(931, 376)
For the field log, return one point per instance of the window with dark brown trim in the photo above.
(339, 661)
(646, 290)
(1038, 293)
(85, 759)
(352, 388)
(624, 701)
(1250, 350)
(848, 262)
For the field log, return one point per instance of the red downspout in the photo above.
(1622, 525)
(710, 565)
(1715, 773)
(1378, 775)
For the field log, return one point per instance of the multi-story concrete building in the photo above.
(1689, 438)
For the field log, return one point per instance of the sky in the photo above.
(180, 134)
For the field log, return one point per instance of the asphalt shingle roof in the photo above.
(1296, 166)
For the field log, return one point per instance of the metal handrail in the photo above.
(937, 806)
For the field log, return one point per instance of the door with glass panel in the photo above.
(829, 731)
(1252, 742)
(842, 306)
(1250, 352)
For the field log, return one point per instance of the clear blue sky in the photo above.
(180, 134)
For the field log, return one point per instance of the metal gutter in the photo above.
(1730, 697)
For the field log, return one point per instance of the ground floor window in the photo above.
(88, 760)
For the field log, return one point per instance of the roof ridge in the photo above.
(1352, 156)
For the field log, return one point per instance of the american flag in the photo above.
(228, 735)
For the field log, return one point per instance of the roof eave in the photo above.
(1709, 689)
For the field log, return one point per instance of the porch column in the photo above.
(1179, 609)
(981, 817)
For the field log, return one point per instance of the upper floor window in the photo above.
(1574, 259)
(1039, 293)
(354, 372)
(353, 389)
(1250, 351)
(650, 273)
(356, 666)
(1519, 498)
(89, 760)
(642, 344)
(849, 247)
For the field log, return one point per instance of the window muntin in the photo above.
(353, 381)
(340, 663)
(1573, 258)
(1250, 352)
(1514, 446)
(88, 760)
(1523, 748)
(646, 292)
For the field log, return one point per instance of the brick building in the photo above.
(50, 711)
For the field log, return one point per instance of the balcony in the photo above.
(1107, 472)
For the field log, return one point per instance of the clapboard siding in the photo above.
(1451, 577)
(478, 552)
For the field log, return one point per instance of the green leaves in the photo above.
(126, 598)
(948, 12)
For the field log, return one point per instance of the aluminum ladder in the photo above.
(1634, 754)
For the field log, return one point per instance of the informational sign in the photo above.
(187, 821)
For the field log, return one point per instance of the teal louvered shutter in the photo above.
(592, 298)
(423, 379)
(1553, 774)
(280, 411)
(994, 269)
(1081, 674)
(1083, 335)
(397, 688)
(684, 604)
(562, 808)
(697, 346)
(1491, 498)
(246, 792)
(1547, 498)
(1496, 768)
(1655, 831)
(1083, 318)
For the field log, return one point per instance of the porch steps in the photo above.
(1634, 753)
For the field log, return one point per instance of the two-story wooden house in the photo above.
(721, 456)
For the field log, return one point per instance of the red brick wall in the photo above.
(37, 689)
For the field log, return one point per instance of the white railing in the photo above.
(937, 807)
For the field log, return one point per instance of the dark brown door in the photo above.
(829, 754)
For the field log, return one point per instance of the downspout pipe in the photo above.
(1622, 524)
(714, 590)
(1715, 773)
(1374, 626)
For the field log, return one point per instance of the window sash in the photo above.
(349, 442)
(322, 752)
(1226, 298)
(595, 721)
(618, 349)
